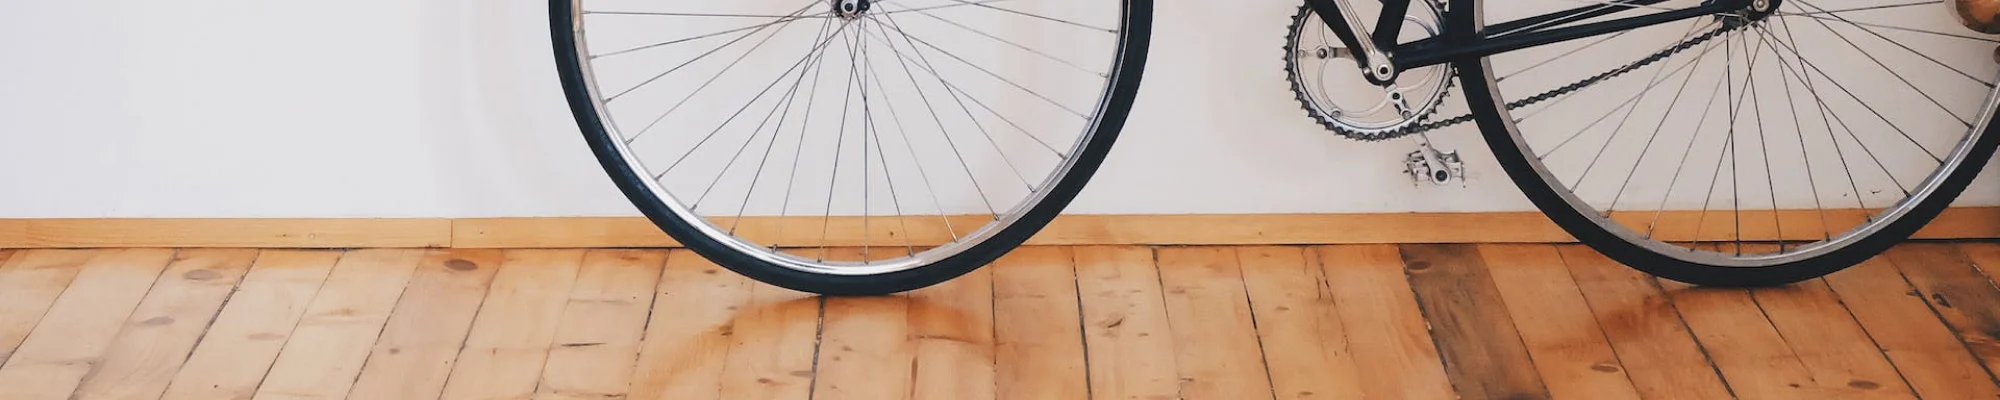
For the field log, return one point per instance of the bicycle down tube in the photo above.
(1509, 36)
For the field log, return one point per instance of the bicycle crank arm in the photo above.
(1375, 64)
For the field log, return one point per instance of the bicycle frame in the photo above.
(1507, 36)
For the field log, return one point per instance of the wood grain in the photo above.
(771, 344)
(689, 334)
(601, 327)
(32, 280)
(1039, 345)
(1922, 348)
(1750, 353)
(1218, 352)
(1128, 342)
(82, 323)
(510, 339)
(245, 338)
(1963, 297)
(1659, 354)
(1482, 351)
(156, 339)
(1841, 357)
(416, 349)
(865, 351)
(331, 343)
(953, 326)
(226, 232)
(1299, 324)
(1569, 349)
(1134, 229)
(1385, 326)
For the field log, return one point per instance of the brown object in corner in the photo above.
(1982, 16)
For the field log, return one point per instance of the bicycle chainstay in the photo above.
(1579, 85)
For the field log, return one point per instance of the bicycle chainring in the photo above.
(1334, 93)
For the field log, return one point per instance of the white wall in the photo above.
(450, 108)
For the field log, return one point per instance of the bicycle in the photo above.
(1022, 100)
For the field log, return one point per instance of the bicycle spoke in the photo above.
(904, 63)
(1011, 43)
(790, 94)
(1630, 101)
(1708, 106)
(1827, 110)
(758, 176)
(1879, 35)
(975, 99)
(793, 16)
(961, 106)
(984, 5)
(1640, 98)
(1643, 151)
(1010, 82)
(833, 178)
(1892, 72)
(903, 135)
(711, 80)
(1798, 128)
(746, 106)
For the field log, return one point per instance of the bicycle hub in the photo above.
(850, 9)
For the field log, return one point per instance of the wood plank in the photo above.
(1299, 324)
(1482, 351)
(1219, 356)
(1841, 357)
(239, 347)
(1127, 340)
(1385, 328)
(864, 349)
(1747, 349)
(415, 352)
(688, 337)
(1658, 352)
(770, 345)
(32, 280)
(228, 232)
(598, 338)
(953, 326)
(1135, 229)
(82, 323)
(1194, 229)
(1922, 349)
(1038, 348)
(156, 339)
(331, 342)
(1958, 292)
(510, 338)
(1986, 260)
(1569, 349)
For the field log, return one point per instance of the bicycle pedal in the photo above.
(1439, 170)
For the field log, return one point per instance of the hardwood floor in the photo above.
(1141, 323)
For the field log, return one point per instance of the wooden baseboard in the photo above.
(582, 232)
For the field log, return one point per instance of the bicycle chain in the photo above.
(1547, 95)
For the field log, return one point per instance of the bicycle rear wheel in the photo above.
(1744, 149)
(850, 147)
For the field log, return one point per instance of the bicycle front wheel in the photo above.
(1747, 148)
(850, 147)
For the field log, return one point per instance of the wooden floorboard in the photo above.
(1096, 322)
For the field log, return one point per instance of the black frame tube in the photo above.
(1432, 52)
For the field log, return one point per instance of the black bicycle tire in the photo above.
(1485, 109)
(1134, 44)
